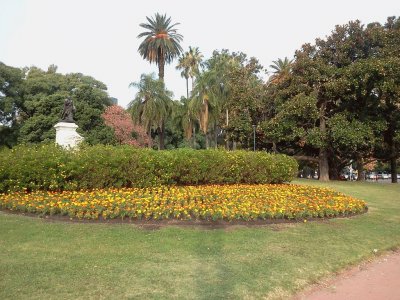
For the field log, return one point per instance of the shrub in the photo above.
(49, 167)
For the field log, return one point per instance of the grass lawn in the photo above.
(41, 259)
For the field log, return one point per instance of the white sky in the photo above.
(99, 38)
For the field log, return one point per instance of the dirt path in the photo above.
(379, 279)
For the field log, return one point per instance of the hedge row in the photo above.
(48, 167)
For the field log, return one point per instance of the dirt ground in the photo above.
(377, 279)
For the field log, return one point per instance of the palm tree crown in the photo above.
(282, 69)
(161, 43)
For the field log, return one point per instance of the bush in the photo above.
(49, 167)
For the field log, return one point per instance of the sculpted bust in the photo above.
(67, 114)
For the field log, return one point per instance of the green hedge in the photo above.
(48, 167)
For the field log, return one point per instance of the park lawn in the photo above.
(42, 259)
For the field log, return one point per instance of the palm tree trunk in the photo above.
(161, 64)
(216, 136)
(187, 88)
(194, 137)
(161, 132)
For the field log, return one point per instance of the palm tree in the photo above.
(152, 105)
(189, 63)
(183, 64)
(205, 99)
(194, 61)
(282, 69)
(161, 43)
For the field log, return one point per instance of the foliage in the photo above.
(10, 101)
(210, 202)
(33, 104)
(125, 131)
(47, 167)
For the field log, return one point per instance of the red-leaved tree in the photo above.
(125, 131)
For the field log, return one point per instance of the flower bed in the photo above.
(209, 202)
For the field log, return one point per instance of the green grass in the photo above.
(41, 259)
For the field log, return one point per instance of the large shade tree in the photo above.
(161, 41)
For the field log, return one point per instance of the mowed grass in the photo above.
(42, 259)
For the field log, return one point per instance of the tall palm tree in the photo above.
(161, 43)
(152, 105)
(183, 64)
(189, 63)
(195, 61)
(282, 69)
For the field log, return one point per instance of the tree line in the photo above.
(337, 102)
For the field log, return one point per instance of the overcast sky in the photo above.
(99, 38)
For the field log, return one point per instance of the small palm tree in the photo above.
(161, 43)
(282, 69)
(152, 105)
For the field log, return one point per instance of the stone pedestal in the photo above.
(66, 135)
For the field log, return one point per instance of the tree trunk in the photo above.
(216, 136)
(334, 172)
(274, 147)
(187, 88)
(207, 141)
(323, 165)
(161, 64)
(234, 145)
(161, 133)
(323, 153)
(360, 169)
(194, 137)
(393, 169)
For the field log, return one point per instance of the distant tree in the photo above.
(195, 61)
(281, 69)
(183, 64)
(125, 131)
(161, 43)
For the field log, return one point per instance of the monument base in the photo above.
(66, 135)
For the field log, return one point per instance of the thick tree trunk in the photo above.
(323, 153)
(207, 141)
(393, 169)
(334, 172)
(323, 165)
(360, 169)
